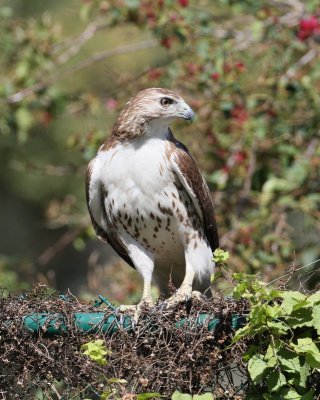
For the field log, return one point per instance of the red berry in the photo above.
(183, 3)
(240, 114)
(154, 74)
(239, 157)
(166, 42)
(215, 76)
(308, 27)
(240, 66)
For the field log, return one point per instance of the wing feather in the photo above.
(189, 175)
(95, 202)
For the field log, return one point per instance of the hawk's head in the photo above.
(154, 106)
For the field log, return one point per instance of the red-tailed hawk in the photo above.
(148, 200)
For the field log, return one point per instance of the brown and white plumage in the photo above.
(148, 200)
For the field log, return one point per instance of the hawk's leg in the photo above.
(146, 301)
(144, 264)
(195, 261)
(185, 292)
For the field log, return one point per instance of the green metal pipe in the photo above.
(99, 322)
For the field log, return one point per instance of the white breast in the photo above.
(136, 173)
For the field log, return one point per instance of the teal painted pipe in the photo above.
(85, 322)
(97, 322)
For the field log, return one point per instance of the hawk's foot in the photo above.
(182, 296)
(135, 310)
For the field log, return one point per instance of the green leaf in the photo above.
(249, 353)
(288, 360)
(215, 276)
(289, 394)
(314, 298)
(316, 317)
(308, 347)
(257, 367)
(300, 318)
(290, 300)
(106, 395)
(305, 345)
(241, 333)
(144, 396)
(239, 290)
(301, 377)
(271, 355)
(205, 396)
(276, 380)
(181, 396)
(278, 327)
(220, 255)
(96, 350)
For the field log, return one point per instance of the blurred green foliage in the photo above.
(250, 69)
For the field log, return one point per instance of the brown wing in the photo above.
(95, 203)
(190, 177)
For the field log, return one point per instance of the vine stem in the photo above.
(298, 269)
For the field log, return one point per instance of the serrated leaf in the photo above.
(96, 350)
(276, 380)
(289, 394)
(316, 317)
(257, 367)
(278, 327)
(308, 347)
(270, 356)
(301, 377)
(313, 361)
(290, 300)
(305, 345)
(180, 396)
(288, 360)
(300, 318)
(314, 298)
(220, 255)
(272, 311)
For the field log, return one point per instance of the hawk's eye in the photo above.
(165, 101)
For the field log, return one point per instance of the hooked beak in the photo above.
(185, 111)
